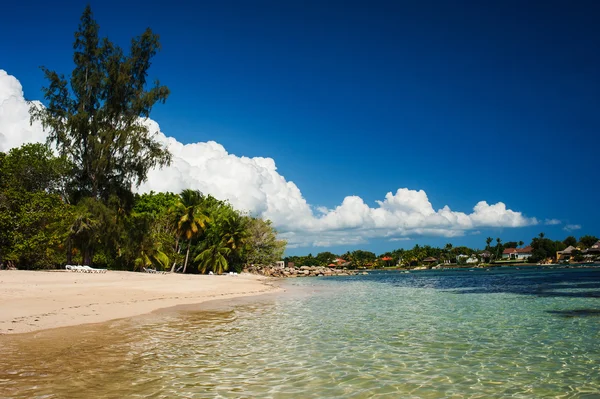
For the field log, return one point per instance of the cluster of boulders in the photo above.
(302, 271)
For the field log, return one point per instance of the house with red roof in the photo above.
(517, 253)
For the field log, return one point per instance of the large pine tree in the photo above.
(96, 119)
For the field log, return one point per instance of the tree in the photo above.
(93, 227)
(234, 232)
(488, 242)
(360, 258)
(214, 258)
(32, 210)
(151, 255)
(192, 221)
(95, 119)
(262, 246)
(325, 258)
(544, 248)
(33, 167)
(498, 246)
(587, 241)
(521, 243)
(570, 241)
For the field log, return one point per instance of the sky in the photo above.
(355, 125)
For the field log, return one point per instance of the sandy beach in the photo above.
(38, 300)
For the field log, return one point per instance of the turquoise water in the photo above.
(447, 334)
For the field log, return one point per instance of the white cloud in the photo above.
(571, 227)
(14, 116)
(253, 184)
(552, 222)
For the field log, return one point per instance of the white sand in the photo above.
(31, 301)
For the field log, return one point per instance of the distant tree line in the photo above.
(542, 249)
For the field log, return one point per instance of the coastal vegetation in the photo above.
(72, 199)
(542, 250)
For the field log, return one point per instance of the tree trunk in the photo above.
(177, 250)
(69, 252)
(87, 257)
(187, 254)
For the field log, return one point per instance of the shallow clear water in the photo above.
(526, 333)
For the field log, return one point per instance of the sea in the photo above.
(526, 332)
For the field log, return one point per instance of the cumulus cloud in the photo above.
(572, 227)
(14, 116)
(255, 185)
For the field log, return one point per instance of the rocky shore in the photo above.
(302, 271)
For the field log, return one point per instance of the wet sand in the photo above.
(38, 300)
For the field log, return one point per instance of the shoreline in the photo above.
(32, 301)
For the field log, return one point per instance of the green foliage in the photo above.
(544, 248)
(32, 211)
(587, 241)
(192, 220)
(570, 241)
(262, 246)
(93, 227)
(360, 258)
(94, 119)
(214, 258)
(325, 258)
(33, 167)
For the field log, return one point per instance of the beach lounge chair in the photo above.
(84, 269)
(88, 269)
(150, 270)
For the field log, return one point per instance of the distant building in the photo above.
(430, 260)
(594, 249)
(472, 259)
(566, 253)
(517, 253)
(339, 262)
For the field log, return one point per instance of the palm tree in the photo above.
(498, 242)
(192, 221)
(82, 233)
(235, 233)
(447, 251)
(214, 258)
(151, 256)
(91, 225)
(542, 235)
(488, 241)
(521, 243)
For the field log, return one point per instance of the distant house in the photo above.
(594, 249)
(517, 253)
(472, 259)
(566, 253)
(339, 262)
(386, 260)
(430, 260)
(485, 255)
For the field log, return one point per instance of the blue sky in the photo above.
(468, 101)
